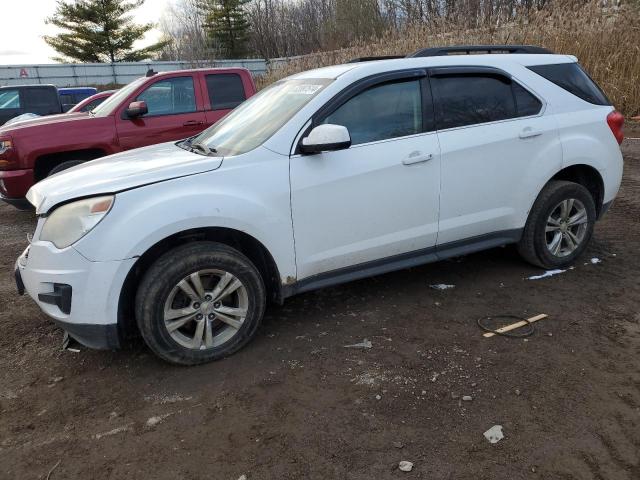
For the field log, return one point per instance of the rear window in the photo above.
(225, 90)
(572, 78)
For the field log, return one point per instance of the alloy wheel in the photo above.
(566, 227)
(206, 309)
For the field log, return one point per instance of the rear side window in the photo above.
(225, 90)
(469, 99)
(572, 78)
(41, 100)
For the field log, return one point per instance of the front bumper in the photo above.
(14, 185)
(81, 296)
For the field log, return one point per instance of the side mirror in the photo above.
(136, 109)
(326, 138)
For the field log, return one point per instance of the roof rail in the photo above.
(469, 49)
(369, 59)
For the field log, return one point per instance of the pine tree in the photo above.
(227, 26)
(99, 31)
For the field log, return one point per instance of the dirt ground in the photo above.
(297, 404)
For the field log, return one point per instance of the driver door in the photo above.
(372, 207)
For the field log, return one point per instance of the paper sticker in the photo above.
(305, 89)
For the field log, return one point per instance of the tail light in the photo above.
(615, 120)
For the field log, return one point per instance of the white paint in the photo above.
(345, 208)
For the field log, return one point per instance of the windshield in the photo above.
(255, 120)
(110, 104)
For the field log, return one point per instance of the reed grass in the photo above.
(604, 37)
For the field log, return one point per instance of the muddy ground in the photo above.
(297, 404)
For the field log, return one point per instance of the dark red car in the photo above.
(91, 102)
(158, 108)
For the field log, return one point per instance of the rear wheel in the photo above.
(559, 226)
(200, 302)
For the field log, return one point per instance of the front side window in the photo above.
(9, 99)
(385, 111)
(225, 90)
(170, 96)
(253, 122)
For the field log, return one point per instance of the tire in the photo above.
(162, 303)
(64, 166)
(539, 247)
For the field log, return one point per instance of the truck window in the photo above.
(9, 99)
(225, 90)
(170, 96)
(41, 100)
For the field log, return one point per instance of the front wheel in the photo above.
(200, 302)
(559, 226)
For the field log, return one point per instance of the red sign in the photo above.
(23, 73)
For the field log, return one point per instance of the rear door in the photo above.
(225, 91)
(499, 142)
(175, 112)
(373, 205)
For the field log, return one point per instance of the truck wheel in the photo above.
(64, 166)
(559, 226)
(200, 302)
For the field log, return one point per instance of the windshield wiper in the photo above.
(202, 147)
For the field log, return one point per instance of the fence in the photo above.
(70, 75)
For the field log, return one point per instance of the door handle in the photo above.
(417, 157)
(192, 123)
(529, 133)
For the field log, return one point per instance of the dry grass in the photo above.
(605, 40)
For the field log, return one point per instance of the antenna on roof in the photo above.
(150, 73)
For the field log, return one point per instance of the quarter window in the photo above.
(572, 78)
(381, 112)
(225, 90)
(170, 96)
(472, 99)
(526, 104)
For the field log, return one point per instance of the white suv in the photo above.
(324, 177)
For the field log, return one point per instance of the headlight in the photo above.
(69, 223)
(5, 145)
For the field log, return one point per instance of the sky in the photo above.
(23, 27)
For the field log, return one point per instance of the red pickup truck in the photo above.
(158, 108)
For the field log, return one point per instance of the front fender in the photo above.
(235, 198)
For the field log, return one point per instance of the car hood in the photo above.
(119, 172)
(46, 120)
